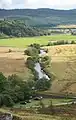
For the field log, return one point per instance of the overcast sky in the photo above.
(56, 4)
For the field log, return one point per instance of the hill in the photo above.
(41, 17)
(63, 65)
(16, 28)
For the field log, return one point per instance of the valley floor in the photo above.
(63, 66)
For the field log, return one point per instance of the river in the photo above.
(38, 68)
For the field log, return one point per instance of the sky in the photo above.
(53, 4)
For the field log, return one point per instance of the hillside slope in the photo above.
(16, 28)
(63, 66)
(41, 17)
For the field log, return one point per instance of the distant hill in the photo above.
(41, 17)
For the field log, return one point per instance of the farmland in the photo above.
(43, 40)
(62, 66)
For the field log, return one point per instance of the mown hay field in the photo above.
(14, 62)
(63, 66)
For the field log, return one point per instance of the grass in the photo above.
(43, 40)
(46, 101)
(27, 115)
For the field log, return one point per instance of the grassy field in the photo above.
(45, 101)
(43, 40)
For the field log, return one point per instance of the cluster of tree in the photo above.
(13, 89)
(45, 61)
(62, 42)
(33, 52)
(17, 28)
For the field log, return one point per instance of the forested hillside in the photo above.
(16, 28)
(41, 17)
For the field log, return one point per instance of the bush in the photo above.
(1, 100)
(3, 82)
(73, 42)
(43, 84)
(45, 61)
(37, 46)
(30, 63)
(31, 51)
(62, 42)
(10, 51)
(50, 44)
(7, 101)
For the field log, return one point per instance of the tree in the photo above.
(31, 51)
(45, 61)
(3, 82)
(42, 84)
(14, 80)
(35, 45)
(30, 63)
(7, 101)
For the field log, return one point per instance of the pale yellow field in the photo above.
(14, 62)
(67, 26)
(63, 66)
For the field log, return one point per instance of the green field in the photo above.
(45, 101)
(43, 40)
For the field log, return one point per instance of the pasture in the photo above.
(45, 101)
(43, 40)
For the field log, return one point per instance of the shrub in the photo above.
(45, 61)
(7, 101)
(10, 51)
(37, 46)
(50, 44)
(62, 42)
(41, 104)
(72, 42)
(43, 84)
(30, 63)
(3, 82)
(31, 51)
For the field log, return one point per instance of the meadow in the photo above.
(45, 101)
(43, 40)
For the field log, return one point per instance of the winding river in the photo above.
(38, 69)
